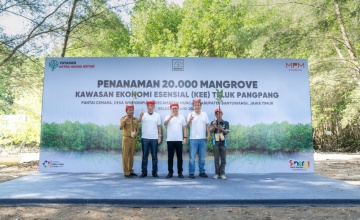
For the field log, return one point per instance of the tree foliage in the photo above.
(94, 30)
(80, 137)
(154, 26)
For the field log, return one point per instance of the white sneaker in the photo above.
(223, 177)
(216, 177)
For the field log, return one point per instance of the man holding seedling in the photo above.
(220, 130)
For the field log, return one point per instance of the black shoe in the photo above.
(169, 175)
(155, 175)
(203, 175)
(128, 176)
(133, 174)
(180, 175)
(143, 175)
(192, 176)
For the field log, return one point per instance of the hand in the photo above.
(214, 123)
(208, 138)
(184, 141)
(191, 118)
(221, 128)
(142, 113)
(159, 139)
(172, 115)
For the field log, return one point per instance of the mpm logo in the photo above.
(295, 65)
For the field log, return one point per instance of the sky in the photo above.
(15, 26)
(179, 2)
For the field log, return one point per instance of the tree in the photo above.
(212, 29)
(21, 62)
(20, 68)
(94, 30)
(154, 25)
(40, 21)
(325, 33)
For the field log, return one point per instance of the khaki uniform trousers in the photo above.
(128, 152)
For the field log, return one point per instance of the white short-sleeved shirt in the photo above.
(149, 123)
(174, 129)
(198, 125)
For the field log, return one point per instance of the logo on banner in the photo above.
(178, 65)
(53, 64)
(299, 165)
(47, 164)
(52, 164)
(295, 66)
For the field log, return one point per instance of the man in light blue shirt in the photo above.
(199, 136)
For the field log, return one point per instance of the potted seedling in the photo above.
(134, 95)
(219, 135)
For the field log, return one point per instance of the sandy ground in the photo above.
(345, 167)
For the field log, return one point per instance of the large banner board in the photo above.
(266, 101)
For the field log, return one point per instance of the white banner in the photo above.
(266, 102)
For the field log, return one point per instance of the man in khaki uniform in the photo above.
(129, 127)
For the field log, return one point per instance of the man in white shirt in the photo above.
(199, 136)
(176, 135)
(150, 138)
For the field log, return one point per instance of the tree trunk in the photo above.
(68, 29)
(347, 42)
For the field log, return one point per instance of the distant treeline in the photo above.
(80, 137)
(272, 137)
(275, 137)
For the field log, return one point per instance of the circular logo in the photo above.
(46, 163)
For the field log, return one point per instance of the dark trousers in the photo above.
(172, 147)
(152, 146)
(219, 153)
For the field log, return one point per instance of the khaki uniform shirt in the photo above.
(126, 131)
